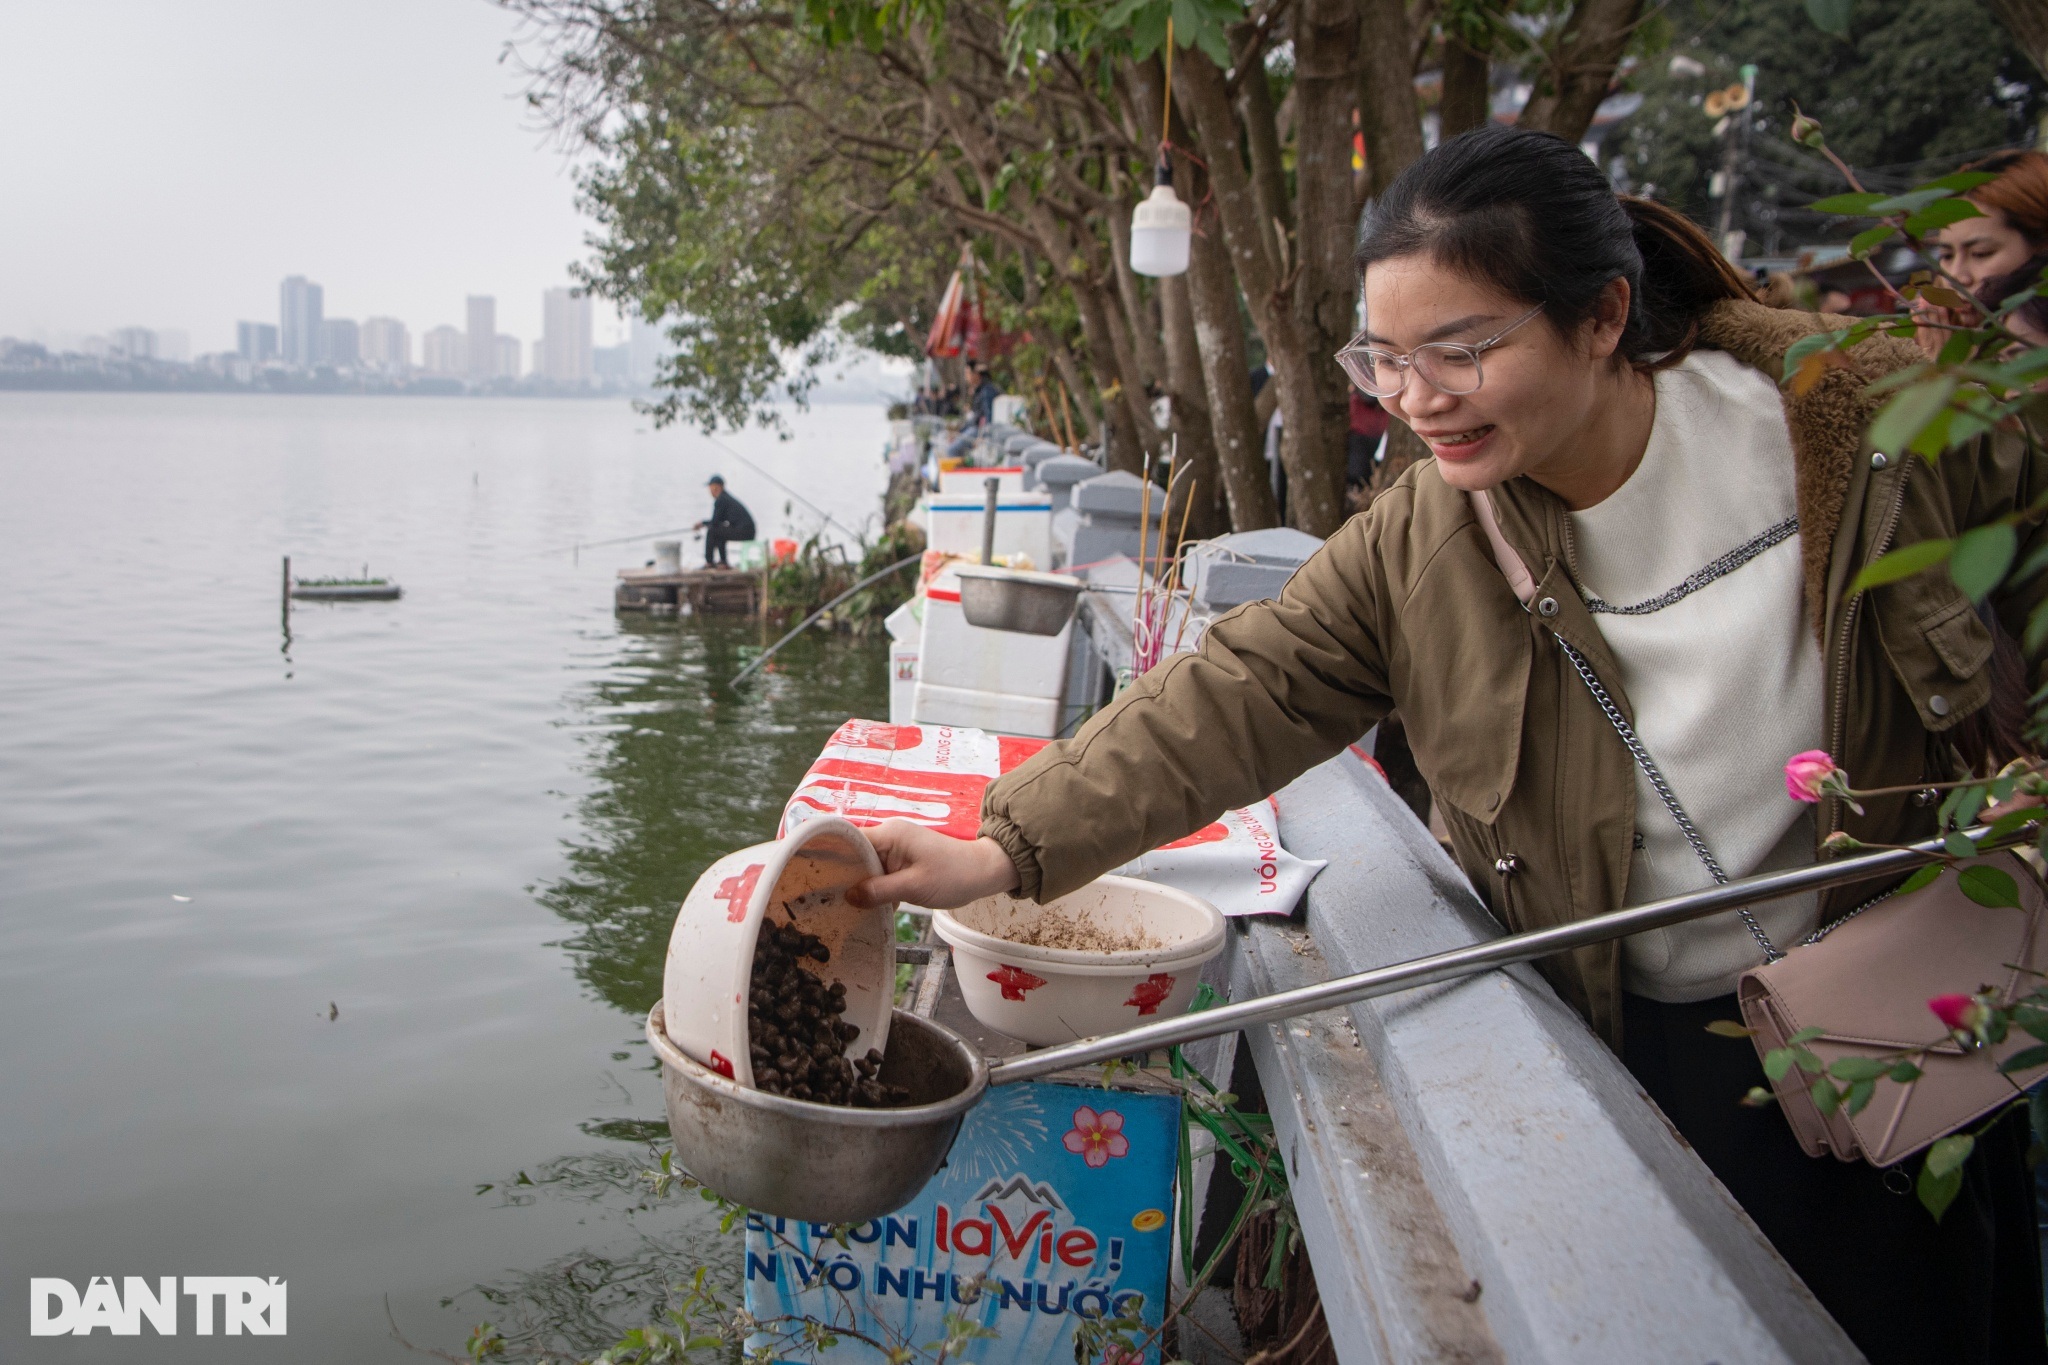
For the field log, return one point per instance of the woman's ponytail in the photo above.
(1531, 215)
(1683, 276)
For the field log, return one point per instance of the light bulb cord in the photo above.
(1166, 109)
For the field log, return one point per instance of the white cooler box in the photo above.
(906, 635)
(997, 712)
(1023, 524)
(997, 680)
(961, 483)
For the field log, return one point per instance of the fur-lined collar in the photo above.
(1827, 423)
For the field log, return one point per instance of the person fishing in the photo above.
(1600, 391)
(729, 521)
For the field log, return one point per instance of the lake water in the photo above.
(304, 938)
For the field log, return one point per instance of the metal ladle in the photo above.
(824, 1164)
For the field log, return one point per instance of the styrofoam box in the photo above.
(954, 654)
(1023, 524)
(998, 712)
(959, 483)
(906, 635)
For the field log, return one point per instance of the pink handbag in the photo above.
(1868, 991)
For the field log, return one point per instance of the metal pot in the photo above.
(819, 1162)
(1018, 600)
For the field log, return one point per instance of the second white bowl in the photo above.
(1047, 995)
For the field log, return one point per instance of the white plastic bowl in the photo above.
(1044, 996)
(711, 950)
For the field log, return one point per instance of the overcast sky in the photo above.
(166, 162)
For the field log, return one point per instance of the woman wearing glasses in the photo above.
(1601, 387)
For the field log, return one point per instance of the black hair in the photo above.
(1531, 215)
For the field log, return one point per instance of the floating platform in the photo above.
(714, 592)
(347, 592)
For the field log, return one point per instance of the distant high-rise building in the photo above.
(565, 336)
(540, 355)
(483, 336)
(506, 355)
(386, 344)
(255, 342)
(298, 321)
(612, 363)
(340, 343)
(175, 344)
(136, 343)
(444, 351)
(647, 342)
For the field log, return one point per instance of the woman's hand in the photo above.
(931, 869)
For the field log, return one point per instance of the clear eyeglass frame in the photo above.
(1444, 365)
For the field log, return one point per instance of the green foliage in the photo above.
(1912, 81)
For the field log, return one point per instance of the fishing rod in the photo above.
(832, 520)
(765, 655)
(621, 540)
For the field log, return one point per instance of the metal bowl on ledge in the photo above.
(1020, 600)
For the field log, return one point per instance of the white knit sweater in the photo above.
(1725, 682)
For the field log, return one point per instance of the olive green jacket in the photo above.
(1406, 607)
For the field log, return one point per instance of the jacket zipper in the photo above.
(1837, 736)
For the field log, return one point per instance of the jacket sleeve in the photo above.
(1277, 687)
(2008, 474)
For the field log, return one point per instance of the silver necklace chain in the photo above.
(1651, 771)
(1700, 578)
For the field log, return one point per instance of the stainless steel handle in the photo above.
(1479, 957)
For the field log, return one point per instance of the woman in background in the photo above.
(1976, 251)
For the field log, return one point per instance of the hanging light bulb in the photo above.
(1161, 228)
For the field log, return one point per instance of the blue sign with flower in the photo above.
(1053, 1209)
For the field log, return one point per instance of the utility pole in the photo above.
(1734, 145)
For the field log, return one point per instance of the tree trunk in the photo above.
(1387, 113)
(1325, 293)
(1582, 68)
(2027, 21)
(1193, 426)
(1468, 97)
(1226, 376)
(1262, 142)
(1309, 463)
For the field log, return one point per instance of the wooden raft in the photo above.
(717, 592)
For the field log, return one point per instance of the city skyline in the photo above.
(254, 164)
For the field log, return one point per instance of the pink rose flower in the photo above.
(1807, 774)
(1095, 1138)
(1956, 1012)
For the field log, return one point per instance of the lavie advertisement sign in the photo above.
(1052, 1209)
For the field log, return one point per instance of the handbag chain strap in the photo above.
(1664, 792)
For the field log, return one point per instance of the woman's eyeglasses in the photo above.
(1446, 366)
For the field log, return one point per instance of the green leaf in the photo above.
(1869, 240)
(1777, 1062)
(1905, 1073)
(1937, 1192)
(1960, 845)
(1805, 1035)
(1925, 877)
(1860, 1095)
(1728, 1028)
(2026, 1059)
(1830, 16)
(1847, 205)
(1808, 1061)
(1981, 557)
(1949, 1153)
(1903, 563)
(1912, 201)
(1825, 1097)
(1940, 214)
(1959, 182)
(1989, 886)
(2036, 634)
(1910, 409)
(1857, 1068)
(1796, 353)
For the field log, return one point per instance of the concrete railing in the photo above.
(1476, 1175)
